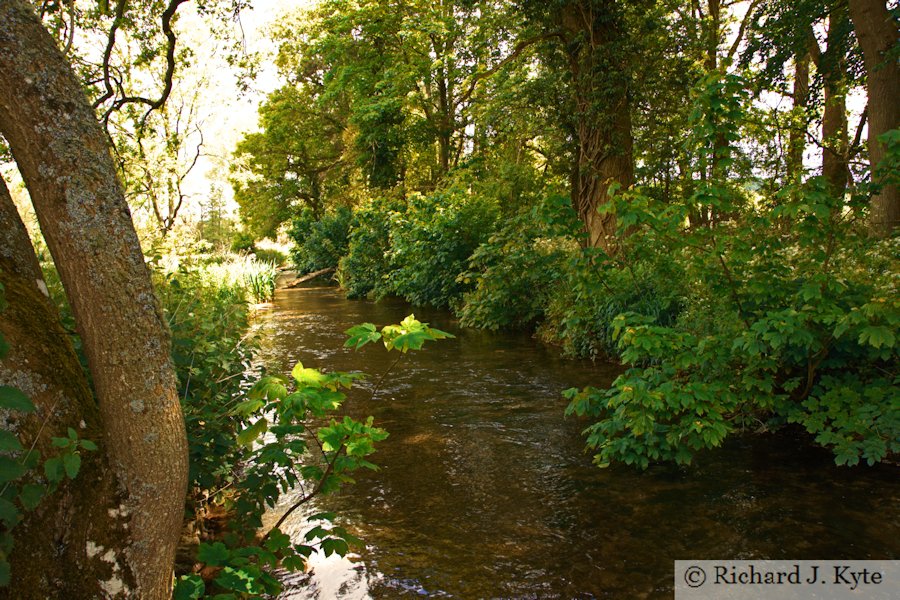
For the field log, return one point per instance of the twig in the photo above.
(328, 470)
(383, 375)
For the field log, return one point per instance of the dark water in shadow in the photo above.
(485, 490)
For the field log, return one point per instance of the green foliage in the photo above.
(790, 317)
(240, 277)
(242, 242)
(320, 243)
(581, 312)
(208, 320)
(283, 434)
(432, 241)
(271, 256)
(520, 267)
(293, 162)
(365, 268)
(410, 334)
(260, 281)
(417, 250)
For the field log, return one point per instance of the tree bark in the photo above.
(797, 142)
(833, 66)
(64, 159)
(603, 115)
(62, 548)
(877, 32)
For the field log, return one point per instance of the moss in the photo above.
(50, 558)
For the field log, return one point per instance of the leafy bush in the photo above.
(320, 244)
(791, 315)
(241, 274)
(364, 270)
(432, 241)
(517, 270)
(792, 318)
(242, 242)
(208, 318)
(581, 311)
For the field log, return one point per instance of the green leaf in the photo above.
(408, 341)
(30, 495)
(305, 376)
(238, 580)
(322, 516)
(9, 442)
(4, 572)
(277, 541)
(10, 470)
(250, 435)
(360, 335)
(53, 469)
(72, 464)
(268, 388)
(88, 445)
(877, 336)
(293, 563)
(248, 407)
(437, 334)
(14, 399)
(315, 532)
(9, 514)
(214, 555)
(334, 546)
(189, 587)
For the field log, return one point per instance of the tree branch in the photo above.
(328, 470)
(167, 17)
(748, 17)
(517, 51)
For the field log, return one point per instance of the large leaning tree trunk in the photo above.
(64, 159)
(877, 31)
(60, 549)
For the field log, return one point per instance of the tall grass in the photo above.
(256, 278)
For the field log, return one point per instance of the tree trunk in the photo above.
(877, 32)
(602, 122)
(62, 548)
(833, 66)
(605, 157)
(713, 34)
(797, 142)
(64, 158)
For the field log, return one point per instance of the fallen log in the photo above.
(309, 277)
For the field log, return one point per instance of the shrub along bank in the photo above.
(782, 311)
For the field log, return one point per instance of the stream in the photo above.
(485, 490)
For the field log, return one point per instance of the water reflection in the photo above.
(485, 491)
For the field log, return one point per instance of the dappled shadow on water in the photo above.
(485, 490)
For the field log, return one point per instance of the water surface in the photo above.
(485, 490)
